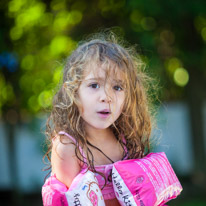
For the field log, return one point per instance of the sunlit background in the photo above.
(35, 38)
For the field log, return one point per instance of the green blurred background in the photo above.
(35, 38)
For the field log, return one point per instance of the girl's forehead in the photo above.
(103, 72)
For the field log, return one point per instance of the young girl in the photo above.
(100, 114)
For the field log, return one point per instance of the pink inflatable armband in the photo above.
(53, 192)
(145, 182)
(84, 190)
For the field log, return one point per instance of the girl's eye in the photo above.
(118, 88)
(94, 86)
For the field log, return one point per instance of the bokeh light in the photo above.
(45, 98)
(58, 5)
(61, 44)
(27, 62)
(38, 85)
(15, 5)
(200, 22)
(172, 64)
(167, 37)
(57, 74)
(181, 77)
(203, 33)
(33, 104)
(31, 15)
(136, 16)
(16, 33)
(148, 23)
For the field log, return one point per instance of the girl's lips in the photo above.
(104, 113)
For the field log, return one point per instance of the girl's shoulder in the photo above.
(63, 152)
(63, 145)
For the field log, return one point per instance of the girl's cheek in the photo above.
(122, 98)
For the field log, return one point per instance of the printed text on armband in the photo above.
(117, 184)
(119, 187)
(76, 200)
(160, 170)
(154, 183)
(168, 169)
(156, 174)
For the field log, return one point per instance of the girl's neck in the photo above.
(99, 135)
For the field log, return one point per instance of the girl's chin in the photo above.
(100, 127)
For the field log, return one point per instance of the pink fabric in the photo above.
(108, 190)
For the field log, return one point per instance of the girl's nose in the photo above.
(105, 97)
(106, 100)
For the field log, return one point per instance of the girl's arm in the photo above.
(65, 164)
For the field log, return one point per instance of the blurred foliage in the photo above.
(36, 36)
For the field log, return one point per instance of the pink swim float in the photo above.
(84, 191)
(149, 181)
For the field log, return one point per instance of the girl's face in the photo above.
(101, 101)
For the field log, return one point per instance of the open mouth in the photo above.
(104, 112)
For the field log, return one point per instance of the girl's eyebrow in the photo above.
(93, 79)
(119, 81)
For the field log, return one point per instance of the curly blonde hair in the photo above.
(135, 120)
